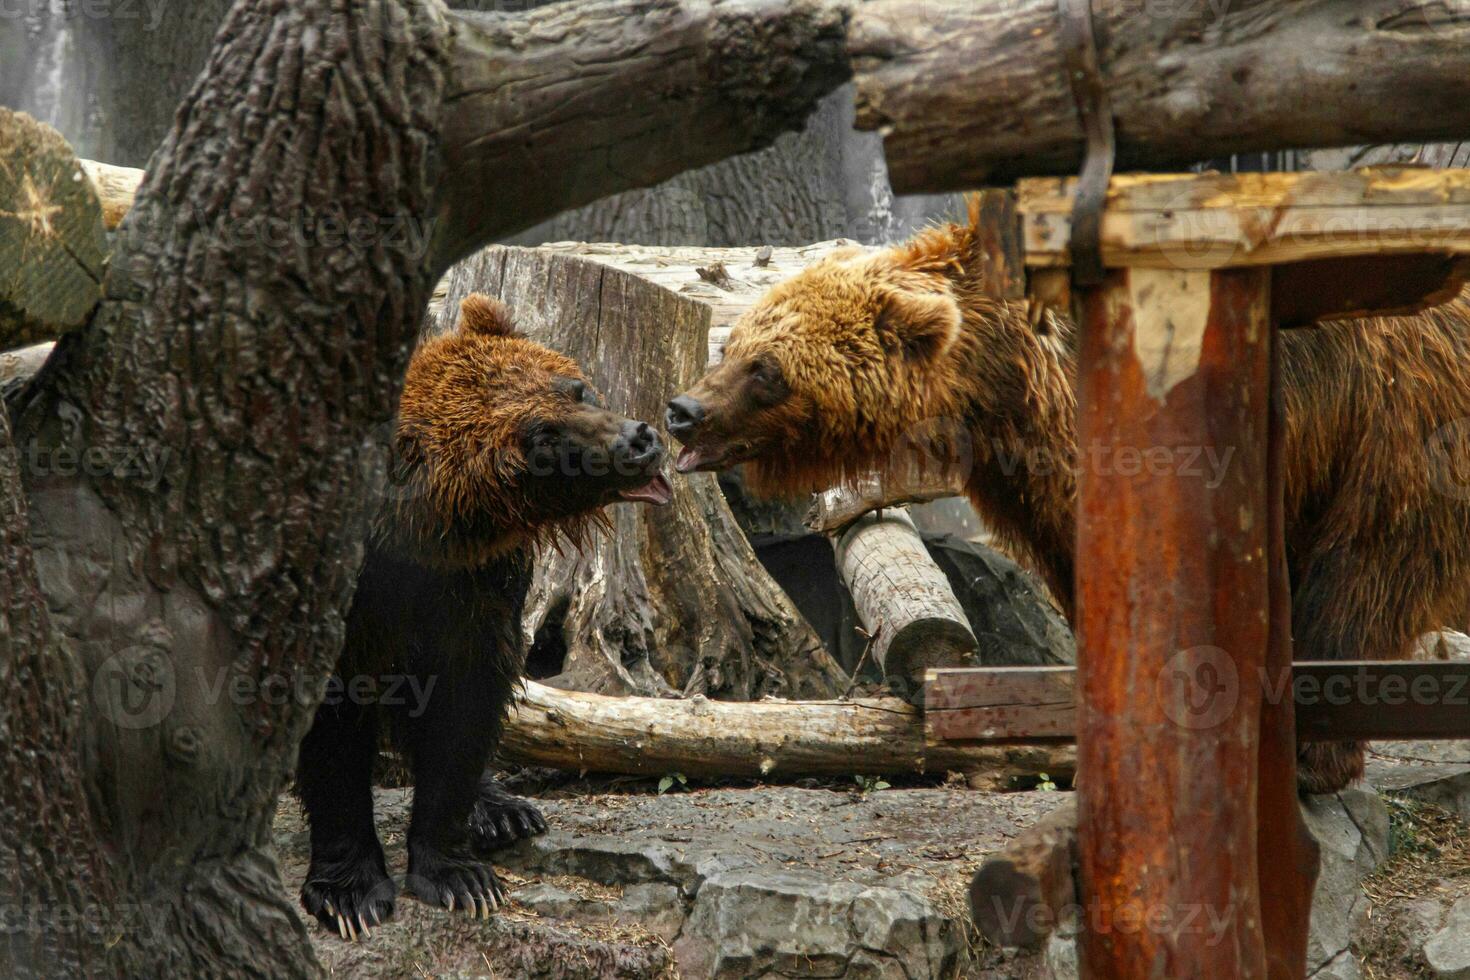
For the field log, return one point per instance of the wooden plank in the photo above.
(1213, 221)
(1285, 848)
(1000, 705)
(1171, 596)
(1352, 699)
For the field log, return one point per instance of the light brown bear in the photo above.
(831, 370)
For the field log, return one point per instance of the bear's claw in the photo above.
(349, 898)
(455, 882)
(499, 819)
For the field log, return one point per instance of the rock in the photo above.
(1059, 959)
(1351, 828)
(756, 923)
(656, 907)
(1421, 919)
(559, 903)
(1444, 645)
(1448, 952)
(1433, 772)
(790, 882)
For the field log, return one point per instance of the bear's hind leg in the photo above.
(500, 818)
(347, 886)
(450, 743)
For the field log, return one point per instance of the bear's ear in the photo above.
(923, 325)
(484, 315)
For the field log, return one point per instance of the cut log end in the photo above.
(1019, 895)
(52, 247)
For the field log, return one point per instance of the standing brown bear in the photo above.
(830, 371)
(499, 445)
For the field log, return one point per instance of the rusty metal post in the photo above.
(1173, 617)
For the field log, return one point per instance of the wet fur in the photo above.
(1377, 554)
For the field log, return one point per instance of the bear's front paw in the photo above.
(350, 897)
(500, 819)
(454, 881)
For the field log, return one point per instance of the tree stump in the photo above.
(671, 600)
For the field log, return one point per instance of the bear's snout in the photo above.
(683, 417)
(638, 446)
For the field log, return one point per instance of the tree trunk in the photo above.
(764, 739)
(194, 461)
(968, 93)
(672, 599)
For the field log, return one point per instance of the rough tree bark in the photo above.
(968, 93)
(195, 461)
(668, 599)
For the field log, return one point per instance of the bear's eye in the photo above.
(540, 437)
(765, 371)
(578, 391)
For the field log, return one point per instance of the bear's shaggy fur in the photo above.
(499, 446)
(831, 370)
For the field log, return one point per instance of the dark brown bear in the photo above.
(831, 370)
(499, 445)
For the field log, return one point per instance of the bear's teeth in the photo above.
(689, 460)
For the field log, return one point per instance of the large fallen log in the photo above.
(967, 93)
(752, 740)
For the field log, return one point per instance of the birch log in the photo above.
(903, 599)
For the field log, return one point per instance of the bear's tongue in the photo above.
(656, 491)
(689, 460)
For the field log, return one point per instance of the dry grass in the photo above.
(1429, 857)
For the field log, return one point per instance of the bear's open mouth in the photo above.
(656, 491)
(692, 459)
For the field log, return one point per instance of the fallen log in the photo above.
(903, 600)
(768, 739)
(967, 93)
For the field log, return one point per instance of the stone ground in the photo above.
(778, 882)
(768, 882)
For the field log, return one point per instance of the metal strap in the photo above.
(1079, 53)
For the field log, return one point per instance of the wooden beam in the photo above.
(1171, 600)
(967, 93)
(1215, 221)
(1335, 700)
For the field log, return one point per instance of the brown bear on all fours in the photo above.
(831, 370)
(499, 445)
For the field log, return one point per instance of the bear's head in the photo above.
(500, 442)
(825, 374)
